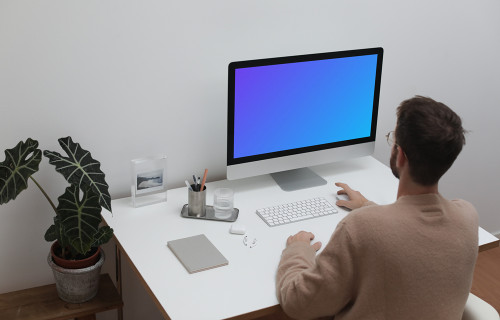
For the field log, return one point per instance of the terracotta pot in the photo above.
(74, 264)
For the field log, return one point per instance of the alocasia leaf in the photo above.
(81, 169)
(20, 163)
(56, 232)
(51, 233)
(79, 217)
(103, 236)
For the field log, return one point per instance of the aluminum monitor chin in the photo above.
(299, 111)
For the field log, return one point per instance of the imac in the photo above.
(288, 113)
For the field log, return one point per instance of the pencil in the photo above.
(204, 179)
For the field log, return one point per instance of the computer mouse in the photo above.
(343, 197)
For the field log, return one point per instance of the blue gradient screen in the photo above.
(301, 104)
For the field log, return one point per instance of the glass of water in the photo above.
(223, 203)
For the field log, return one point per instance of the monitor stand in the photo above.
(297, 179)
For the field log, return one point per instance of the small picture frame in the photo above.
(148, 180)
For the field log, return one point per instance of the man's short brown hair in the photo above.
(431, 135)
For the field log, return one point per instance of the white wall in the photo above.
(128, 79)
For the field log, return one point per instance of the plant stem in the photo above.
(44, 193)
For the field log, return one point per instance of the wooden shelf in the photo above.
(43, 303)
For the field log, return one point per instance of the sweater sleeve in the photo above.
(309, 287)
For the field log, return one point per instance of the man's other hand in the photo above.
(304, 236)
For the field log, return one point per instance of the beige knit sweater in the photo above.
(413, 259)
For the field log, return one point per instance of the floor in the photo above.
(486, 283)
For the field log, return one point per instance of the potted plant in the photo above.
(76, 231)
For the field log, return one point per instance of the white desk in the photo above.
(247, 284)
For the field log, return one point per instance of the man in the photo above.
(412, 259)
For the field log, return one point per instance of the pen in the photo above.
(187, 184)
(195, 184)
(198, 184)
(204, 179)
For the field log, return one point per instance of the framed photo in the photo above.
(148, 183)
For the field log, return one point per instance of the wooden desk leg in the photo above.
(118, 266)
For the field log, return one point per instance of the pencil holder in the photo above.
(197, 203)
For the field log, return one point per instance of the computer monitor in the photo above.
(288, 113)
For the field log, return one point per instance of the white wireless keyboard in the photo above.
(296, 211)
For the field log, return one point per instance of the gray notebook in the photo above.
(197, 253)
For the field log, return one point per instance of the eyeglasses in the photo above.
(391, 139)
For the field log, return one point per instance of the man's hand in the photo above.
(356, 199)
(306, 237)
